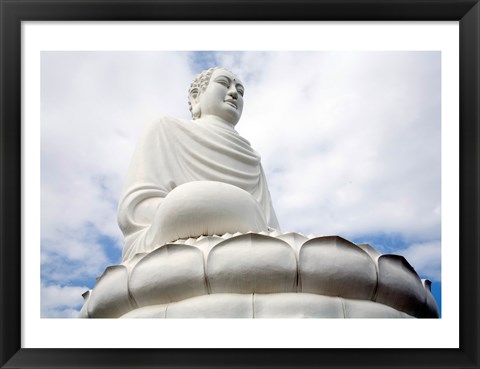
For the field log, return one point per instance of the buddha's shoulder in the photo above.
(167, 123)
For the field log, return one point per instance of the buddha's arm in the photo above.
(147, 183)
(146, 209)
(135, 216)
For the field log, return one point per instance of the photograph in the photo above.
(340, 150)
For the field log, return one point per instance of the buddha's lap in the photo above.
(206, 208)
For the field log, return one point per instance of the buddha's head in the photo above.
(216, 92)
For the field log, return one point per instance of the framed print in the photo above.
(395, 86)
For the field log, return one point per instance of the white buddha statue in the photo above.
(195, 177)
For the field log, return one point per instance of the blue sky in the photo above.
(350, 143)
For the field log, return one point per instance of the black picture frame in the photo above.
(13, 12)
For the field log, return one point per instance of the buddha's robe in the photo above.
(172, 153)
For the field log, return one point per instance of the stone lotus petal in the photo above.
(333, 266)
(179, 241)
(431, 308)
(251, 263)
(272, 305)
(369, 309)
(256, 275)
(274, 233)
(148, 312)
(399, 285)
(297, 305)
(169, 273)
(84, 311)
(224, 305)
(205, 244)
(190, 241)
(133, 261)
(110, 297)
(295, 240)
(374, 254)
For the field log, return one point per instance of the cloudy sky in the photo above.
(350, 144)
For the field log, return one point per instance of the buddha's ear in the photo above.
(194, 99)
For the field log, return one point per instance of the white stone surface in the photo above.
(170, 273)
(334, 266)
(263, 265)
(252, 263)
(431, 308)
(206, 208)
(361, 309)
(84, 310)
(374, 254)
(297, 305)
(148, 312)
(295, 240)
(267, 306)
(223, 305)
(110, 297)
(399, 285)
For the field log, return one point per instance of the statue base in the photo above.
(275, 305)
(261, 275)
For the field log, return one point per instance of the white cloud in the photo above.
(350, 141)
(425, 257)
(71, 259)
(61, 301)
(59, 313)
(94, 106)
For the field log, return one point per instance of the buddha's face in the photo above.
(223, 97)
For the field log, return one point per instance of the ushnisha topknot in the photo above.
(199, 85)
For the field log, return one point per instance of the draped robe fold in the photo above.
(172, 152)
